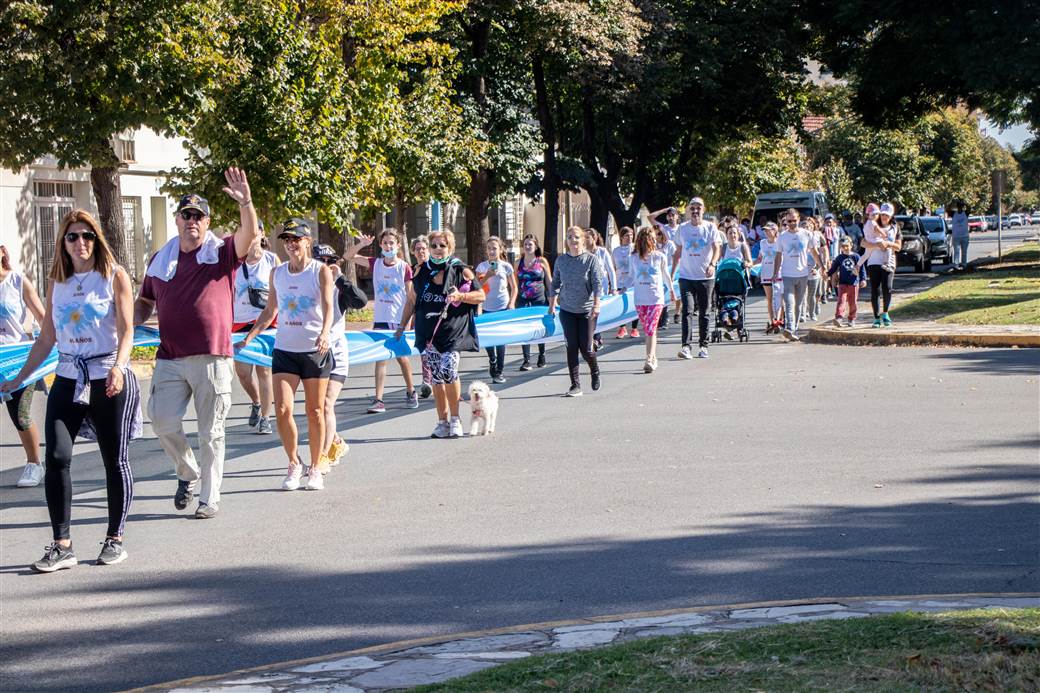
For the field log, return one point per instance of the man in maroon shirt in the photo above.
(190, 280)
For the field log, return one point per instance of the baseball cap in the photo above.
(696, 201)
(193, 201)
(296, 228)
(323, 251)
(828, 216)
(887, 208)
(872, 208)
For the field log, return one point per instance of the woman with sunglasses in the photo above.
(18, 298)
(90, 319)
(252, 281)
(576, 287)
(444, 302)
(301, 299)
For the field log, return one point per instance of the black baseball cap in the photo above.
(193, 201)
(324, 251)
(296, 228)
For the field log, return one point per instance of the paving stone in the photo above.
(331, 688)
(658, 632)
(416, 672)
(223, 689)
(488, 643)
(260, 678)
(585, 638)
(778, 611)
(678, 620)
(944, 605)
(505, 654)
(340, 665)
(1009, 603)
(830, 616)
(586, 626)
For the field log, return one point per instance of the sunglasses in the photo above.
(329, 260)
(439, 245)
(88, 236)
(188, 215)
(290, 240)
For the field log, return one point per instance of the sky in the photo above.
(1015, 136)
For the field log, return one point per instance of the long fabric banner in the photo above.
(519, 326)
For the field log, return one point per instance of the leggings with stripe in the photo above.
(112, 417)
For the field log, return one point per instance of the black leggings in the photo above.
(526, 348)
(577, 330)
(112, 417)
(879, 278)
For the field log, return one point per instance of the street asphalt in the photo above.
(768, 471)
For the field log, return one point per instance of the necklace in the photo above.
(79, 279)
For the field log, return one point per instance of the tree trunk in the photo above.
(599, 214)
(550, 179)
(478, 204)
(104, 180)
(400, 209)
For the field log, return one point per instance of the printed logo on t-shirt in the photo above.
(388, 290)
(849, 265)
(796, 247)
(295, 306)
(647, 272)
(696, 244)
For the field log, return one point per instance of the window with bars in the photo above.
(52, 189)
(131, 222)
(52, 200)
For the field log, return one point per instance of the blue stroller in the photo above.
(731, 290)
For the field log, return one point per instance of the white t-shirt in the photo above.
(497, 283)
(607, 266)
(794, 248)
(300, 316)
(84, 315)
(12, 310)
(815, 241)
(621, 255)
(390, 285)
(698, 244)
(671, 231)
(736, 253)
(877, 256)
(767, 250)
(669, 254)
(259, 278)
(648, 278)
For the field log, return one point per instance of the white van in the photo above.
(807, 202)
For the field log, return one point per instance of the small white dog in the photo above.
(484, 407)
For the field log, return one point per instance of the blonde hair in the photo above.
(447, 235)
(104, 261)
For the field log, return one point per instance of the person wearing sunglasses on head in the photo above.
(301, 298)
(18, 298)
(95, 394)
(190, 281)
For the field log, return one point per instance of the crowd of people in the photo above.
(206, 287)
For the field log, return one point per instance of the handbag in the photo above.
(350, 297)
(257, 297)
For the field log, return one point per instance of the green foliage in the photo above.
(742, 169)
(834, 179)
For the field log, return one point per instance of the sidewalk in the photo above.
(412, 663)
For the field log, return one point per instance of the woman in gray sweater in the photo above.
(576, 285)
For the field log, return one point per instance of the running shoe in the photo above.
(885, 320)
(425, 391)
(263, 427)
(795, 337)
(324, 463)
(851, 323)
(648, 367)
(292, 476)
(595, 381)
(443, 430)
(254, 414)
(112, 552)
(575, 391)
(32, 475)
(337, 450)
(455, 428)
(728, 336)
(787, 335)
(877, 323)
(541, 361)
(184, 494)
(412, 400)
(205, 512)
(686, 352)
(635, 333)
(55, 557)
(377, 407)
(315, 480)
(622, 332)
(525, 366)
(497, 379)
(702, 353)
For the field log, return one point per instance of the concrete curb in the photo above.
(401, 645)
(911, 337)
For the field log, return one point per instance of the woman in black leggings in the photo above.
(90, 319)
(882, 243)
(576, 284)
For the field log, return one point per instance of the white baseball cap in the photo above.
(887, 208)
(696, 201)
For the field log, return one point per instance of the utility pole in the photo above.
(999, 177)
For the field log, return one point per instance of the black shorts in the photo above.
(305, 364)
(384, 326)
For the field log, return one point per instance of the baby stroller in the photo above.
(731, 290)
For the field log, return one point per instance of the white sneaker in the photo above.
(443, 430)
(292, 477)
(703, 353)
(315, 480)
(686, 353)
(32, 475)
(456, 427)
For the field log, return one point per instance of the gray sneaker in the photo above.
(443, 430)
(686, 352)
(254, 414)
(456, 427)
(55, 557)
(412, 400)
(703, 353)
(112, 552)
(263, 427)
(205, 512)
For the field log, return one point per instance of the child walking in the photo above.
(648, 269)
(851, 278)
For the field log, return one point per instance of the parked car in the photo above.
(916, 250)
(991, 222)
(978, 224)
(1035, 218)
(940, 237)
(1014, 220)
